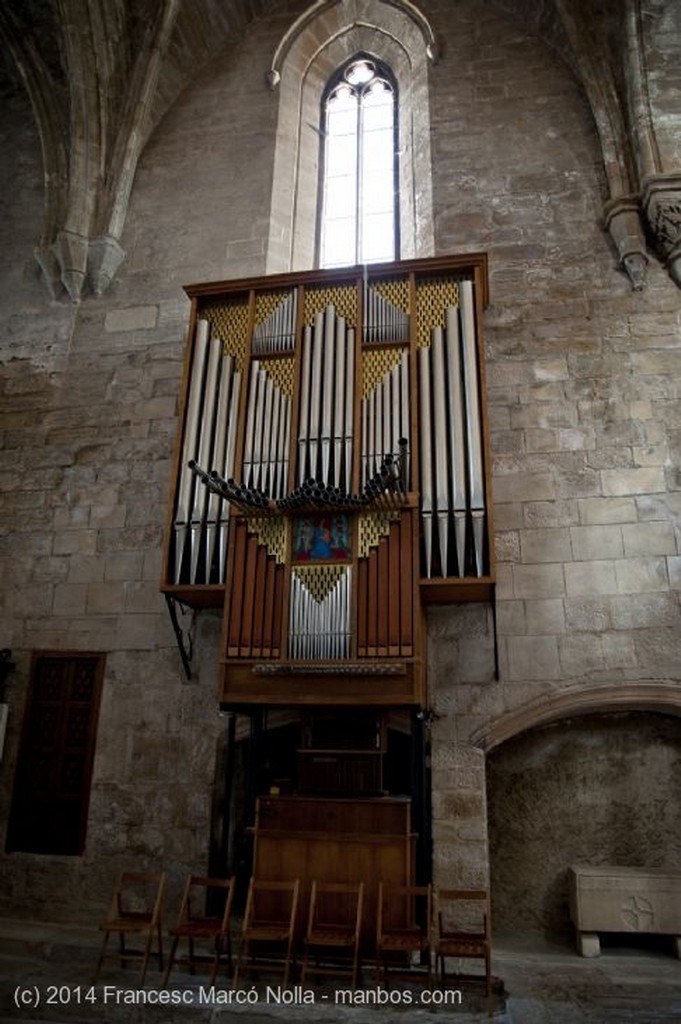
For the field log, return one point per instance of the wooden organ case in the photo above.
(332, 476)
(332, 479)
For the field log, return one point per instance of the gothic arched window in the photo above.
(359, 174)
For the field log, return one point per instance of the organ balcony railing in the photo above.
(332, 474)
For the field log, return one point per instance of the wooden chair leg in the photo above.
(145, 957)
(239, 961)
(171, 961)
(216, 962)
(355, 969)
(101, 958)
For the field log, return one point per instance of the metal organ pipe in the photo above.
(315, 393)
(474, 434)
(349, 403)
(250, 422)
(339, 400)
(214, 501)
(256, 456)
(403, 439)
(228, 467)
(327, 391)
(206, 438)
(426, 468)
(304, 412)
(440, 437)
(187, 482)
(457, 435)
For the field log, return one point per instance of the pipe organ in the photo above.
(332, 475)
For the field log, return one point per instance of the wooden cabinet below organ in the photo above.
(335, 840)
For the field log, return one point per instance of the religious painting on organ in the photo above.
(332, 475)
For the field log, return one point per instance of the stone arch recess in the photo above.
(324, 39)
(662, 697)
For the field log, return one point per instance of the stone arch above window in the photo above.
(388, 32)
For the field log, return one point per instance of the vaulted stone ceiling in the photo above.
(101, 73)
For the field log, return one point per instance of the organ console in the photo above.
(332, 475)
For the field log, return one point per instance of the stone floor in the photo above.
(46, 974)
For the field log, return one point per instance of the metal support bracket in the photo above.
(186, 649)
(496, 633)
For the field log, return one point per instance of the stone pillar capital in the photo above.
(661, 202)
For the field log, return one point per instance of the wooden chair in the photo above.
(333, 929)
(403, 927)
(195, 924)
(464, 931)
(136, 908)
(269, 925)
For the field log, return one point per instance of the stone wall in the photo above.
(583, 405)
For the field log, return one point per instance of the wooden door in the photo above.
(54, 767)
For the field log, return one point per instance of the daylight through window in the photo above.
(359, 205)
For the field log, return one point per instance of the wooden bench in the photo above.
(618, 899)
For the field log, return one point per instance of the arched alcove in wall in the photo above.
(599, 788)
(321, 44)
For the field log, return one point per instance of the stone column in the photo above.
(460, 843)
(462, 694)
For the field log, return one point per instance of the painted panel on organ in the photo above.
(321, 538)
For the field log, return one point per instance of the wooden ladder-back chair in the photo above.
(197, 925)
(136, 909)
(269, 926)
(333, 929)
(403, 927)
(464, 931)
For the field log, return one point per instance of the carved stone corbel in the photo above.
(71, 251)
(622, 221)
(661, 202)
(105, 255)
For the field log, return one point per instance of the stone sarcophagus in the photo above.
(619, 899)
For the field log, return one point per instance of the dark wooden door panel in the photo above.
(54, 767)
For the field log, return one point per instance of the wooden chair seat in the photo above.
(405, 938)
(263, 932)
(462, 944)
(333, 935)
